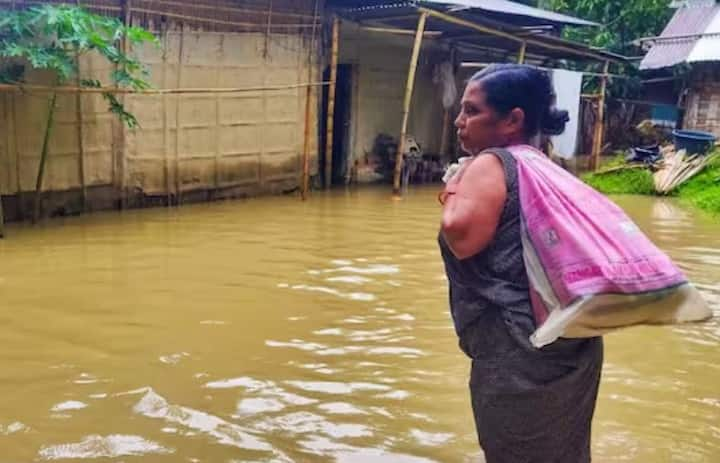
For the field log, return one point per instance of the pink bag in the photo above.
(591, 270)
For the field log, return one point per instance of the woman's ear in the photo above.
(516, 120)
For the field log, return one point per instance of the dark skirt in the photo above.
(530, 405)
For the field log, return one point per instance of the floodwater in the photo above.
(276, 330)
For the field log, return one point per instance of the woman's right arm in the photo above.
(473, 205)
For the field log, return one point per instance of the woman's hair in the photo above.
(510, 86)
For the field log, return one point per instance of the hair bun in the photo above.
(553, 122)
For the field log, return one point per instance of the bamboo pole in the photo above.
(600, 121)
(43, 159)
(229, 9)
(445, 137)
(218, 127)
(8, 144)
(15, 138)
(178, 125)
(127, 20)
(521, 54)
(394, 30)
(308, 95)
(331, 102)
(81, 142)
(223, 22)
(168, 91)
(7, 153)
(8, 139)
(268, 31)
(2, 218)
(165, 124)
(306, 147)
(408, 98)
(474, 64)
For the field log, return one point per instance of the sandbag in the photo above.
(591, 270)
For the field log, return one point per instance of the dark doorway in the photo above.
(341, 124)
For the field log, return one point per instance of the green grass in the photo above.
(622, 182)
(702, 191)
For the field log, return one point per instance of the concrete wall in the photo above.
(382, 62)
(228, 144)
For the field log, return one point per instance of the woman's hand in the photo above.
(473, 203)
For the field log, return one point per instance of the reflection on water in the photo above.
(274, 330)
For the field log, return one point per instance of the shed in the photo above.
(391, 52)
(682, 64)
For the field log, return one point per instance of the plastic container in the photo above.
(647, 154)
(693, 141)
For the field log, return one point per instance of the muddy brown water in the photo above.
(275, 330)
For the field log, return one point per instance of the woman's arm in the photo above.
(473, 205)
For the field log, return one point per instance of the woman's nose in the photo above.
(460, 121)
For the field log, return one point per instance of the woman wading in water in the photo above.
(530, 405)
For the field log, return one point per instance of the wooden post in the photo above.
(600, 121)
(43, 158)
(331, 102)
(408, 98)
(521, 54)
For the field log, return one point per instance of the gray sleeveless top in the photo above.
(490, 299)
(496, 276)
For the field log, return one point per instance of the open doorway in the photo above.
(341, 124)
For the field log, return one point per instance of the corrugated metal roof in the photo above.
(503, 7)
(683, 36)
(514, 8)
(707, 47)
(402, 14)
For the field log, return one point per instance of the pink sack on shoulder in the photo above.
(591, 270)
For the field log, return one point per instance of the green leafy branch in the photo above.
(53, 37)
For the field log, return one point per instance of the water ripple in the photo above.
(96, 446)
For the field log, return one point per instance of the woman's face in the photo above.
(479, 126)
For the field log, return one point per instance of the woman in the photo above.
(530, 405)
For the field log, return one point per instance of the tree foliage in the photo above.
(622, 21)
(53, 37)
